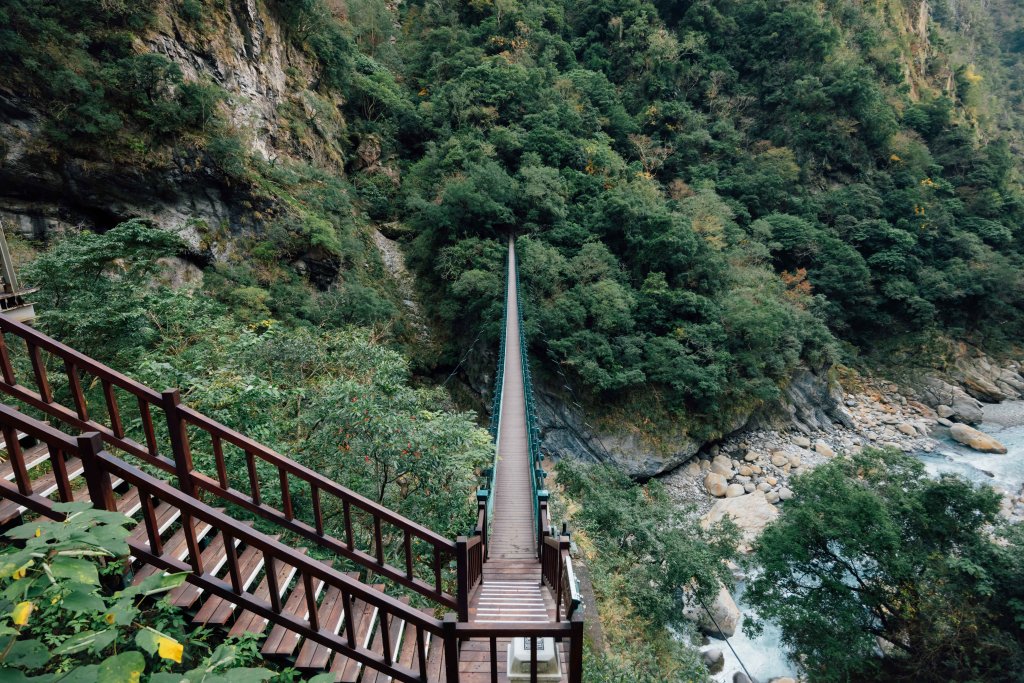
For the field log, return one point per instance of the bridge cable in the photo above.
(722, 633)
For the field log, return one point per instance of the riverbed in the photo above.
(764, 657)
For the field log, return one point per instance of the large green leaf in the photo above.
(126, 667)
(83, 601)
(27, 654)
(75, 569)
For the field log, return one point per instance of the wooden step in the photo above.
(249, 622)
(396, 629)
(175, 548)
(332, 617)
(33, 457)
(281, 640)
(365, 616)
(218, 610)
(407, 656)
(43, 486)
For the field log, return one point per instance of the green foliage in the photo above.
(67, 622)
(871, 547)
(648, 553)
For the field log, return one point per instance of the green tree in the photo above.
(873, 555)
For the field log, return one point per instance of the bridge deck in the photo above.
(512, 590)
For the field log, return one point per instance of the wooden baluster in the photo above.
(60, 471)
(39, 370)
(347, 517)
(112, 410)
(232, 557)
(378, 540)
(318, 516)
(254, 481)
(272, 583)
(407, 544)
(314, 618)
(77, 395)
(156, 546)
(176, 426)
(385, 637)
(533, 659)
(421, 653)
(218, 457)
(494, 659)
(286, 494)
(96, 478)
(5, 362)
(437, 570)
(350, 622)
(192, 542)
(147, 426)
(17, 458)
(462, 574)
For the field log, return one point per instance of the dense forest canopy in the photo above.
(708, 193)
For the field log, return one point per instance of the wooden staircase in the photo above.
(252, 566)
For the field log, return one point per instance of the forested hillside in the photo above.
(712, 198)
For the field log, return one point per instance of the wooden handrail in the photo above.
(179, 417)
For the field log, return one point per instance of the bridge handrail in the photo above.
(178, 420)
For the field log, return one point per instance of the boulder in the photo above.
(744, 471)
(783, 679)
(822, 448)
(715, 484)
(802, 442)
(751, 513)
(944, 411)
(779, 458)
(692, 468)
(713, 658)
(722, 465)
(751, 456)
(972, 438)
(785, 494)
(724, 610)
(740, 677)
(794, 460)
(907, 428)
(749, 487)
(734, 491)
(772, 497)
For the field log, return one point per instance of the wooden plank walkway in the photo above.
(512, 590)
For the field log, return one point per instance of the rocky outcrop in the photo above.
(808, 402)
(243, 49)
(972, 438)
(565, 433)
(972, 379)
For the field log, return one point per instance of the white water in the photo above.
(763, 656)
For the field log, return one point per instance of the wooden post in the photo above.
(576, 649)
(542, 514)
(451, 649)
(179, 440)
(462, 573)
(481, 508)
(96, 479)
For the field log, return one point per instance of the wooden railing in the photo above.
(415, 558)
(102, 471)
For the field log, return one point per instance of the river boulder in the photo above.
(750, 512)
(972, 438)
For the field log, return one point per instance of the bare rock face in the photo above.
(972, 438)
